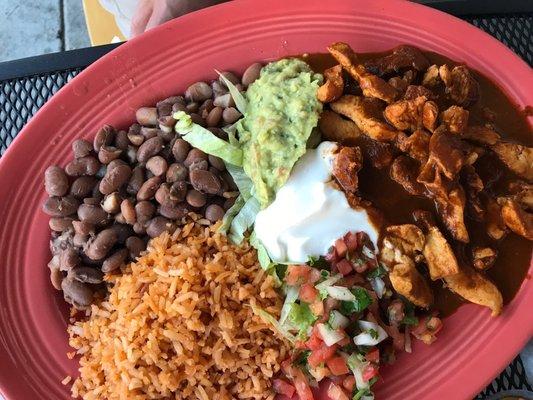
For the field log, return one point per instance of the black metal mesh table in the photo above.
(25, 85)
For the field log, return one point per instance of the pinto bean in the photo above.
(115, 176)
(92, 214)
(83, 166)
(149, 149)
(157, 165)
(204, 109)
(83, 186)
(111, 203)
(192, 107)
(135, 245)
(128, 211)
(108, 154)
(81, 148)
(178, 190)
(176, 172)
(178, 107)
(230, 76)
(101, 244)
(214, 117)
(60, 224)
(251, 74)
(135, 138)
(205, 181)
(55, 181)
(144, 210)
(86, 275)
(121, 140)
(200, 164)
(214, 212)
(115, 261)
(83, 227)
(60, 206)
(146, 116)
(198, 91)
(218, 88)
(230, 115)
(180, 150)
(139, 228)
(158, 225)
(68, 259)
(224, 101)
(162, 195)
(148, 189)
(164, 109)
(104, 137)
(217, 162)
(123, 231)
(193, 156)
(148, 133)
(174, 211)
(136, 180)
(77, 293)
(195, 198)
(56, 277)
(80, 240)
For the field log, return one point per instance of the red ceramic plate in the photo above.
(472, 348)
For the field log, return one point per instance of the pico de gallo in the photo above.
(345, 321)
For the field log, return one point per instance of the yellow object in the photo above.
(101, 24)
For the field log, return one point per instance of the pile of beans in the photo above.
(129, 186)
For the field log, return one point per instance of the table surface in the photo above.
(25, 85)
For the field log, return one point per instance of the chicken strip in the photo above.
(416, 145)
(410, 283)
(347, 163)
(412, 114)
(481, 135)
(404, 170)
(401, 241)
(338, 129)
(439, 255)
(451, 209)
(371, 85)
(332, 89)
(516, 157)
(460, 84)
(496, 228)
(402, 57)
(477, 289)
(363, 112)
(517, 219)
(455, 118)
(483, 257)
(450, 153)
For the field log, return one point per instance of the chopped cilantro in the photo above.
(281, 270)
(360, 393)
(301, 358)
(379, 272)
(361, 302)
(317, 262)
(409, 320)
(373, 333)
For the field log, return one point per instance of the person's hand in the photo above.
(150, 13)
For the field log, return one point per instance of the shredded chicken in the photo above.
(431, 76)
(410, 283)
(404, 170)
(416, 145)
(496, 228)
(516, 157)
(516, 218)
(451, 209)
(414, 91)
(475, 288)
(455, 118)
(483, 257)
(439, 255)
(481, 135)
(347, 163)
(371, 85)
(460, 84)
(363, 112)
(332, 89)
(402, 57)
(412, 114)
(336, 128)
(473, 187)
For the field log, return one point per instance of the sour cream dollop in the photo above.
(309, 212)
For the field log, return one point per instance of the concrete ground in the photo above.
(33, 27)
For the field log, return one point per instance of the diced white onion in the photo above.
(365, 338)
(328, 282)
(378, 285)
(367, 252)
(357, 367)
(337, 320)
(340, 293)
(328, 335)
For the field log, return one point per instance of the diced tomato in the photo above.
(282, 387)
(344, 266)
(336, 393)
(340, 248)
(337, 366)
(332, 256)
(308, 293)
(350, 239)
(321, 355)
(369, 372)
(348, 383)
(344, 342)
(315, 341)
(421, 327)
(300, 344)
(361, 267)
(373, 355)
(301, 385)
(317, 308)
(297, 274)
(352, 280)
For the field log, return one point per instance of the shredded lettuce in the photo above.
(243, 182)
(205, 140)
(262, 253)
(243, 220)
(301, 317)
(269, 319)
(230, 214)
(290, 298)
(238, 98)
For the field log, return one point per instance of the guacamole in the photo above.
(282, 110)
